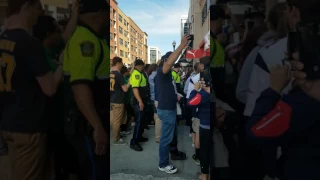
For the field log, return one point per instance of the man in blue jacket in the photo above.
(290, 121)
(200, 98)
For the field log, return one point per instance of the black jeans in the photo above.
(130, 113)
(149, 112)
(206, 150)
(212, 125)
(140, 123)
(188, 115)
(251, 167)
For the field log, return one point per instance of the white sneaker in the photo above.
(124, 133)
(169, 169)
(120, 142)
(193, 145)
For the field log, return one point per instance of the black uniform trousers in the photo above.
(140, 122)
(82, 159)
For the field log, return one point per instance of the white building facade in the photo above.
(154, 54)
(198, 21)
(184, 25)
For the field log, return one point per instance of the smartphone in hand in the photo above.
(191, 37)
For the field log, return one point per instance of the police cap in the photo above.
(138, 62)
(91, 6)
(216, 12)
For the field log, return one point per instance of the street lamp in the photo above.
(174, 45)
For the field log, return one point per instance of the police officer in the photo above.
(217, 53)
(176, 77)
(139, 87)
(86, 67)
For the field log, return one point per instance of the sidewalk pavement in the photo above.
(131, 165)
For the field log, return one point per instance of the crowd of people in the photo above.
(262, 98)
(255, 107)
(163, 95)
(53, 82)
(251, 109)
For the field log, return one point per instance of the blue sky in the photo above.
(160, 19)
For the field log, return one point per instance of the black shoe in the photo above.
(143, 139)
(178, 155)
(136, 147)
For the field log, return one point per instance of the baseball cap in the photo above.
(91, 6)
(138, 62)
(216, 12)
(166, 56)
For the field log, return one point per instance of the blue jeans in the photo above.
(168, 119)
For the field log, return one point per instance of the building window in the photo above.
(110, 22)
(126, 54)
(120, 30)
(125, 22)
(204, 12)
(121, 41)
(125, 33)
(125, 44)
(153, 56)
(120, 18)
(110, 9)
(111, 36)
(111, 50)
(121, 53)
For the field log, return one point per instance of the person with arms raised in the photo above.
(167, 99)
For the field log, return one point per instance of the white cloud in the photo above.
(157, 17)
